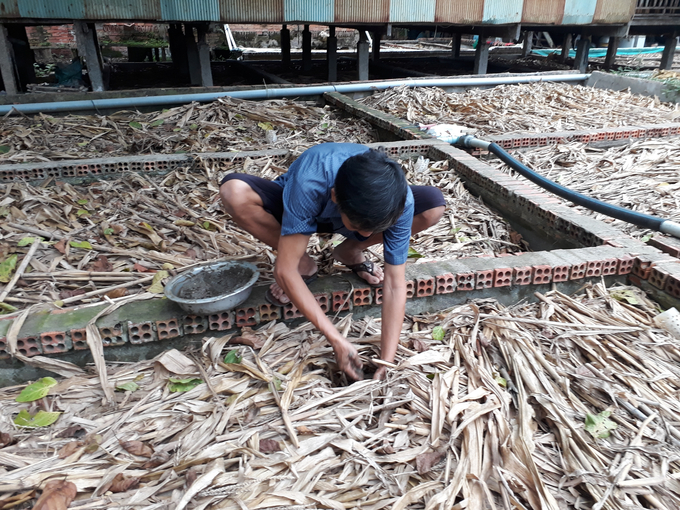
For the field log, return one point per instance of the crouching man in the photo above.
(337, 188)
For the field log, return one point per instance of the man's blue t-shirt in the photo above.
(307, 199)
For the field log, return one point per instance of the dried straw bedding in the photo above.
(493, 416)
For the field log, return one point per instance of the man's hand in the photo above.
(348, 359)
(380, 374)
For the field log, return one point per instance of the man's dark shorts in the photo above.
(424, 197)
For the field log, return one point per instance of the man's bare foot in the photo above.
(349, 256)
(307, 267)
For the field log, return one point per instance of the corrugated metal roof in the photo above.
(362, 11)
(52, 9)
(502, 11)
(415, 11)
(614, 11)
(451, 11)
(190, 10)
(540, 11)
(122, 9)
(314, 11)
(251, 11)
(9, 9)
(578, 12)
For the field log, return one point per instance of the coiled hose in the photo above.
(620, 213)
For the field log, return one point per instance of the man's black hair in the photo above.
(370, 190)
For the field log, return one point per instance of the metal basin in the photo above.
(213, 288)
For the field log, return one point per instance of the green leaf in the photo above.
(108, 231)
(128, 386)
(182, 385)
(82, 212)
(438, 333)
(413, 254)
(430, 376)
(135, 125)
(176, 130)
(599, 425)
(233, 357)
(646, 238)
(206, 225)
(25, 241)
(156, 123)
(324, 125)
(625, 295)
(277, 383)
(4, 149)
(193, 127)
(81, 244)
(7, 267)
(156, 286)
(42, 419)
(37, 390)
(83, 144)
(5, 308)
(82, 201)
(267, 126)
(501, 381)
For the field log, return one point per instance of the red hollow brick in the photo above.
(410, 289)
(193, 325)
(560, 273)
(502, 277)
(340, 301)
(290, 311)
(446, 283)
(626, 264)
(113, 336)
(54, 342)
(542, 274)
(672, 286)
(4, 353)
(578, 271)
(642, 267)
(323, 301)
(362, 297)
(79, 339)
(220, 321)
(658, 278)
(522, 275)
(466, 281)
(594, 268)
(245, 317)
(378, 296)
(141, 333)
(609, 266)
(424, 287)
(484, 279)
(167, 329)
(269, 312)
(29, 346)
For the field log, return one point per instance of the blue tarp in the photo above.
(601, 52)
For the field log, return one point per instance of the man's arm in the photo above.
(290, 251)
(394, 304)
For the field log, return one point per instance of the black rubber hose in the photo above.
(636, 218)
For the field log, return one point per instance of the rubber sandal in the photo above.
(366, 266)
(271, 299)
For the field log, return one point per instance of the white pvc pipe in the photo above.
(277, 93)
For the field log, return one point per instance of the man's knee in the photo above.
(432, 216)
(237, 195)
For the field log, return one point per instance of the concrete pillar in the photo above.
(455, 45)
(332, 55)
(306, 49)
(582, 49)
(481, 55)
(566, 46)
(285, 46)
(612, 48)
(7, 70)
(362, 57)
(204, 56)
(193, 58)
(376, 46)
(88, 47)
(670, 42)
(178, 49)
(528, 41)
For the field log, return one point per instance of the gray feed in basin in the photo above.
(213, 288)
